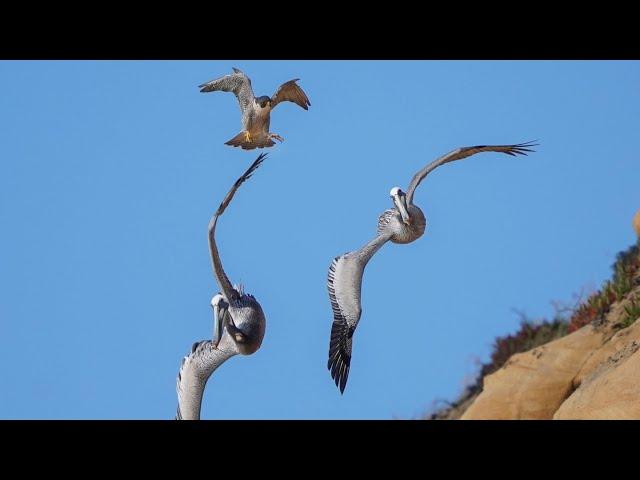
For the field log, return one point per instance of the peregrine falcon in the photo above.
(256, 111)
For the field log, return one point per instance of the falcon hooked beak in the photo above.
(400, 201)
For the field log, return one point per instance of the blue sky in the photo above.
(110, 171)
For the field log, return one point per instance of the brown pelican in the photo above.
(256, 112)
(239, 325)
(404, 223)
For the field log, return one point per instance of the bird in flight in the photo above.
(404, 223)
(256, 111)
(239, 325)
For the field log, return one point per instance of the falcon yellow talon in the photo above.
(247, 137)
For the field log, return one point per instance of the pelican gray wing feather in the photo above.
(195, 370)
(344, 283)
(225, 285)
(464, 152)
(238, 83)
(290, 92)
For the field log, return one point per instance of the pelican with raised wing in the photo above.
(404, 223)
(239, 325)
(256, 111)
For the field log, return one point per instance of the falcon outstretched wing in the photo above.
(290, 92)
(237, 82)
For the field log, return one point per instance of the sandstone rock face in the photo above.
(532, 385)
(620, 342)
(636, 223)
(611, 392)
(592, 373)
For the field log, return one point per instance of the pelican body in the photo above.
(404, 223)
(239, 325)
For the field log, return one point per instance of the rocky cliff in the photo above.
(585, 366)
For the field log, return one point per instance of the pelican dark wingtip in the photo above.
(339, 359)
(523, 148)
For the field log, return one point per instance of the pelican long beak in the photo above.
(218, 318)
(400, 202)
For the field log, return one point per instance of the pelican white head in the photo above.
(215, 301)
(395, 191)
(400, 201)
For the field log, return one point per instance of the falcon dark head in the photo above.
(263, 101)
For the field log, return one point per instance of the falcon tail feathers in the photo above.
(240, 140)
